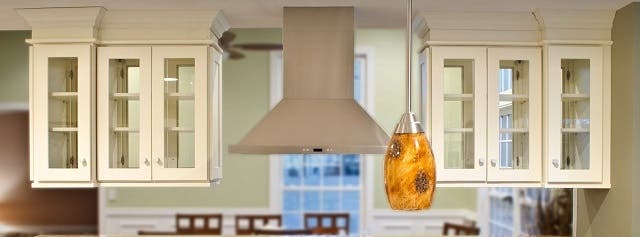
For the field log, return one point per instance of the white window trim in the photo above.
(366, 164)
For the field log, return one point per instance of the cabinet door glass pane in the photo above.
(63, 112)
(513, 105)
(575, 113)
(179, 113)
(458, 114)
(124, 83)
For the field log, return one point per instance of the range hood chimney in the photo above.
(318, 113)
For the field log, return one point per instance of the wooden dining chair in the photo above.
(247, 224)
(259, 231)
(460, 229)
(199, 224)
(329, 221)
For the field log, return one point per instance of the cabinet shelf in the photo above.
(179, 129)
(575, 130)
(125, 129)
(513, 97)
(514, 130)
(574, 97)
(126, 96)
(64, 129)
(458, 97)
(181, 96)
(64, 95)
(458, 130)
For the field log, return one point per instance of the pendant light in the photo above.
(409, 166)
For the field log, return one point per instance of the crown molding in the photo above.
(63, 22)
(590, 25)
(68, 24)
(477, 26)
(124, 25)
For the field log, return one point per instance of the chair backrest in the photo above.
(338, 221)
(247, 224)
(460, 229)
(195, 224)
(281, 232)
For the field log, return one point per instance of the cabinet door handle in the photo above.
(146, 161)
(481, 162)
(84, 162)
(159, 161)
(493, 162)
(556, 163)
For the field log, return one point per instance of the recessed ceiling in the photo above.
(268, 13)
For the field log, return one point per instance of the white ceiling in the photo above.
(267, 13)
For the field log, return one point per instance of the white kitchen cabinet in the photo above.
(523, 104)
(124, 98)
(62, 103)
(577, 113)
(161, 107)
(514, 114)
(458, 122)
(485, 114)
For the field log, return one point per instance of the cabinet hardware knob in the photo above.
(493, 162)
(159, 161)
(556, 163)
(84, 162)
(146, 161)
(481, 162)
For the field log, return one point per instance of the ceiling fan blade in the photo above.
(258, 46)
(235, 55)
(226, 38)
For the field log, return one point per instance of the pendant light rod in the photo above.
(409, 42)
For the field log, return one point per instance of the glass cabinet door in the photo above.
(458, 112)
(63, 94)
(514, 114)
(575, 113)
(125, 96)
(180, 115)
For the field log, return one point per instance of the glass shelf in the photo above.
(126, 96)
(514, 130)
(64, 95)
(513, 97)
(180, 96)
(568, 97)
(458, 97)
(458, 130)
(575, 130)
(63, 129)
(125, 129)
(179, 129)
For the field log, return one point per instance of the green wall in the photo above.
(616, 211)
(14, 66)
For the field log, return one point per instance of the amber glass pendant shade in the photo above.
(409, 167)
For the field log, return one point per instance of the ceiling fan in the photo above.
(232, 50)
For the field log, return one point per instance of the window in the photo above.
(506, 76)
(506, 118)
(506, 142)
(320, 183)
(324, 182)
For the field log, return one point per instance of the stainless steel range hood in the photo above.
(318, 113)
